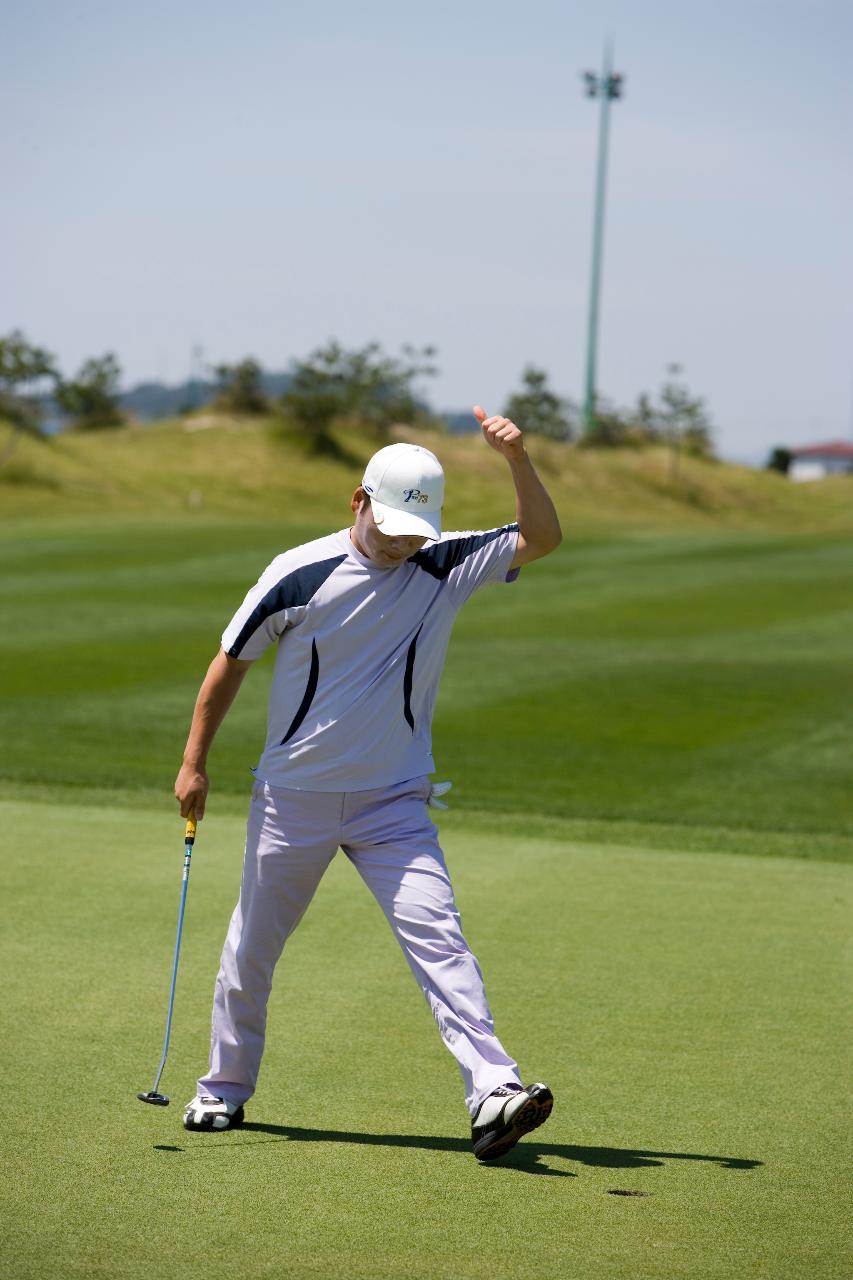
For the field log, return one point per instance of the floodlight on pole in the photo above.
(606, 87)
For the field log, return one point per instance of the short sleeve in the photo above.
(257, 623)
(275, 602)
(472, 559)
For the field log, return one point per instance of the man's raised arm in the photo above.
(218, 690)
(539, 531)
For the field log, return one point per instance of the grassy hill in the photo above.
(227, 466)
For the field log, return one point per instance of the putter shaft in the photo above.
(154, 1096)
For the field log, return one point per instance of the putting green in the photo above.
(688, 1010)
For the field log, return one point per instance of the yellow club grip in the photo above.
(191, 824)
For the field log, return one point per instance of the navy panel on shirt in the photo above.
(308, 696)
(295, 589)
(441, 558)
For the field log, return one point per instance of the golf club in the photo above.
(160, 1099)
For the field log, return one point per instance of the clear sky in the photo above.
(260, 177)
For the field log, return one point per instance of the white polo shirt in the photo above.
(360, 654)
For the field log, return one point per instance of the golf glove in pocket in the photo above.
(438, 789)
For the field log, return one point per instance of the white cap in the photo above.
(405, 484)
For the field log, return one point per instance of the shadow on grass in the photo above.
(523, 1158)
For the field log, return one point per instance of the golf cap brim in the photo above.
(405, 524)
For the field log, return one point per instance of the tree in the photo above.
(240, 388)
(611, 428)
(645, 420)
(538, 409)
(676, 418)
(91, 399)
(779, 460)
(684, 420)
(28, 375)
(362, 387)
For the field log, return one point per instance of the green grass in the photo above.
(700, 684)
(688, 1012)
(230, 466)
(649, 737)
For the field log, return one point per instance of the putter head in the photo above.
(156, 1099)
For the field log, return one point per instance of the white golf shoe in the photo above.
(506, 1115)
(206, 1112)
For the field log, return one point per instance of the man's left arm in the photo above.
(539, 531)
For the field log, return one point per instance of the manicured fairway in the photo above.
(690, 682)
(688, 1010)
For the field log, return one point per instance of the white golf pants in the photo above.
(388, 836)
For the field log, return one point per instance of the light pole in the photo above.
(607, 86)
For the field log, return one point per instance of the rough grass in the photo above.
(236, 466)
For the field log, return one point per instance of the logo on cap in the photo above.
(415, 495)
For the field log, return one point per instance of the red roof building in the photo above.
(814, 461)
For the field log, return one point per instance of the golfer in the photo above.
(361, 619)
